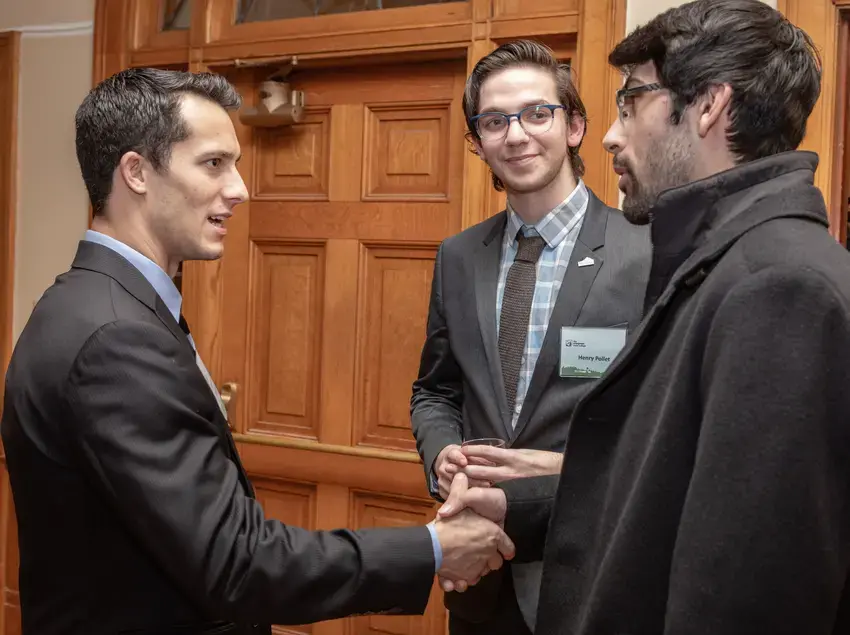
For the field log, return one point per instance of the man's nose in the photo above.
(516, 133)
(613, 140)
(236, 191)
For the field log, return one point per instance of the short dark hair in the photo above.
(530, 54)
(772, 66)
(138, 110)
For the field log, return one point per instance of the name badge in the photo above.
(588, 352)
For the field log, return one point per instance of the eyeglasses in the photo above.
(624, 109)
(534, 120)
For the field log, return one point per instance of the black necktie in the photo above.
(184, 326)
(516, 308)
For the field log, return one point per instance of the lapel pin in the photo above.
(586, 262)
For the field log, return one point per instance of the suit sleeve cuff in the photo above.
(438, 549)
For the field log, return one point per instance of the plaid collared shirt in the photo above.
(559, 229)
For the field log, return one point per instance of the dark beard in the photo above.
(637, 205)
(668, 165)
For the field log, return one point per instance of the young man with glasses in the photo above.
(527, 308)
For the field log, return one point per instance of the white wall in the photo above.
(641, 11)
(55, 75)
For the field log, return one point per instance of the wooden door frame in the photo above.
(9, 71)
(840, 195)
(822, 20)
(9, 64)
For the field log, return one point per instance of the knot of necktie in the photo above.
(530, 248)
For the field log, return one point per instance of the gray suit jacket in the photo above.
(459, 393)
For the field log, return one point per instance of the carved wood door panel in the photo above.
(324, 291)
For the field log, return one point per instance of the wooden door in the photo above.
(326, 281)
(9, 61)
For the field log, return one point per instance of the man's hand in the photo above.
(472, 544)
(478, 505)
(490, 503)
(448, 463)
(495, 465)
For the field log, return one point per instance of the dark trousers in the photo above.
(506, 617)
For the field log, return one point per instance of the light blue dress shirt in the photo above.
(153, 273)
(167, 290)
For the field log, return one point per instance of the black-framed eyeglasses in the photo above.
(534, 120)
(625, 93)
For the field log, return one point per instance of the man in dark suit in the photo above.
(134, 513)
(707, 483)
(509, 296)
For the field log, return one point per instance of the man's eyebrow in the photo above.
(531, 102)
(633, 81)
(223, 154)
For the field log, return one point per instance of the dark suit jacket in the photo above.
(459, 393)
(134, 513)
(706, 488)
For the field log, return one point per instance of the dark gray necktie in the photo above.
(185, 327)
(516, 308)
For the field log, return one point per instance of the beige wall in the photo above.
(640, 11)
(56, 63)
(55, 74)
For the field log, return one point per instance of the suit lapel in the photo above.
(571, 298)
(487, 266)
(95, 257)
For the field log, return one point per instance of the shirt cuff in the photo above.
(438, 550)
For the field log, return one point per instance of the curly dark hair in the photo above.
(771, 65)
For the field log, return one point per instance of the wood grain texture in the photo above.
(10, 611)
(821, 20)
(602, 25)
(839, 196)
(9, 66)
(396, 283)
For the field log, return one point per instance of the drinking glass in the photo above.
(495, 443)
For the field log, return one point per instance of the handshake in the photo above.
(470, 530)
(470, 524)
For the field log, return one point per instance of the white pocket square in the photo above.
(586, 262)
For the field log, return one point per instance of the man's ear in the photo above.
(713, 107)
(132, 172)
(576, 131)
(474, 144)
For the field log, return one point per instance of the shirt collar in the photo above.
(559, 222)
(153, 273)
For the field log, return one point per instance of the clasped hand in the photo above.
(485, 465)
(464, 477)
(470, 530)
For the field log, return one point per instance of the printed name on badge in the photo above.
(588, 352)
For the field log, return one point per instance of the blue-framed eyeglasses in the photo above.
(534, 120)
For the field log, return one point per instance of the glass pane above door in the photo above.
(177, 14)
(263, 10)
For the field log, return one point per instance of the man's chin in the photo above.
(208, 252)
(636, 210)
(525, 186)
